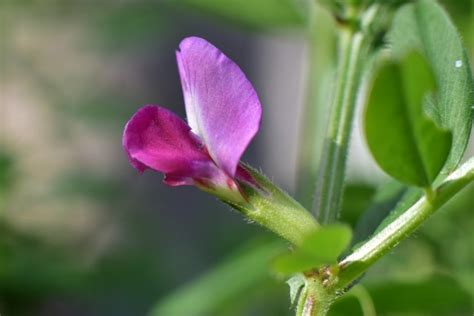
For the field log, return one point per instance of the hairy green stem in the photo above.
(354, 44)
(381, 243)
(331, 177)
(314, 300)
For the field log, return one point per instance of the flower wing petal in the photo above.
(221, 104)
(155, 138)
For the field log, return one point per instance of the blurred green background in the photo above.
(81, 233)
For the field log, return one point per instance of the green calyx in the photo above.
(269, 206)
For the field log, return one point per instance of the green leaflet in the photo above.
(321, 247)
(403, 140)
(425, 26)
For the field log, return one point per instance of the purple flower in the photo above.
(223, 113)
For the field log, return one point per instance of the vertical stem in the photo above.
(333, 161)
(314, 300)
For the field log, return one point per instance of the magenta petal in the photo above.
(222, 106)
(156, 138)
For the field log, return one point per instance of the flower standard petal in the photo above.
(221, 105)
(155, 138)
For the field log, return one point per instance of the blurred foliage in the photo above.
(372, 208)
(7, 176)
(436, 295)
(127, 25)
(260, 14)
(357, 198)
(31, 271)
(93, 186)
(233, 280)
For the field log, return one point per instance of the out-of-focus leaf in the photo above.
(410, 261)
(30, 267)
(403, 140)
(256, 14)
(111, 110)
(409, 197)
(346, 305)
(224, 283)
(322, 247)
(454, 251)
(88, 185)
(384, 200)
(425, 26)
(117, 25)
(357, 302)
(357, 198)
(437, 295)
(127, 23)
(6, 172)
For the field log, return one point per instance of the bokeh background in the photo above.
(81, 233)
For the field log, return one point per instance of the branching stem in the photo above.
(362, 258)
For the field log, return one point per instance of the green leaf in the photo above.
(385, 199)
(425, 26)
(33, 268)
(437, 295)
(321, 247)
(254, 14)
(236, 275)
(403, 140)
(356, 199)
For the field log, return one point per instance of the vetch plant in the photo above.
(417, 120)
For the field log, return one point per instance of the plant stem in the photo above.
(354, 45)
(314, 300)
(362, 258)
